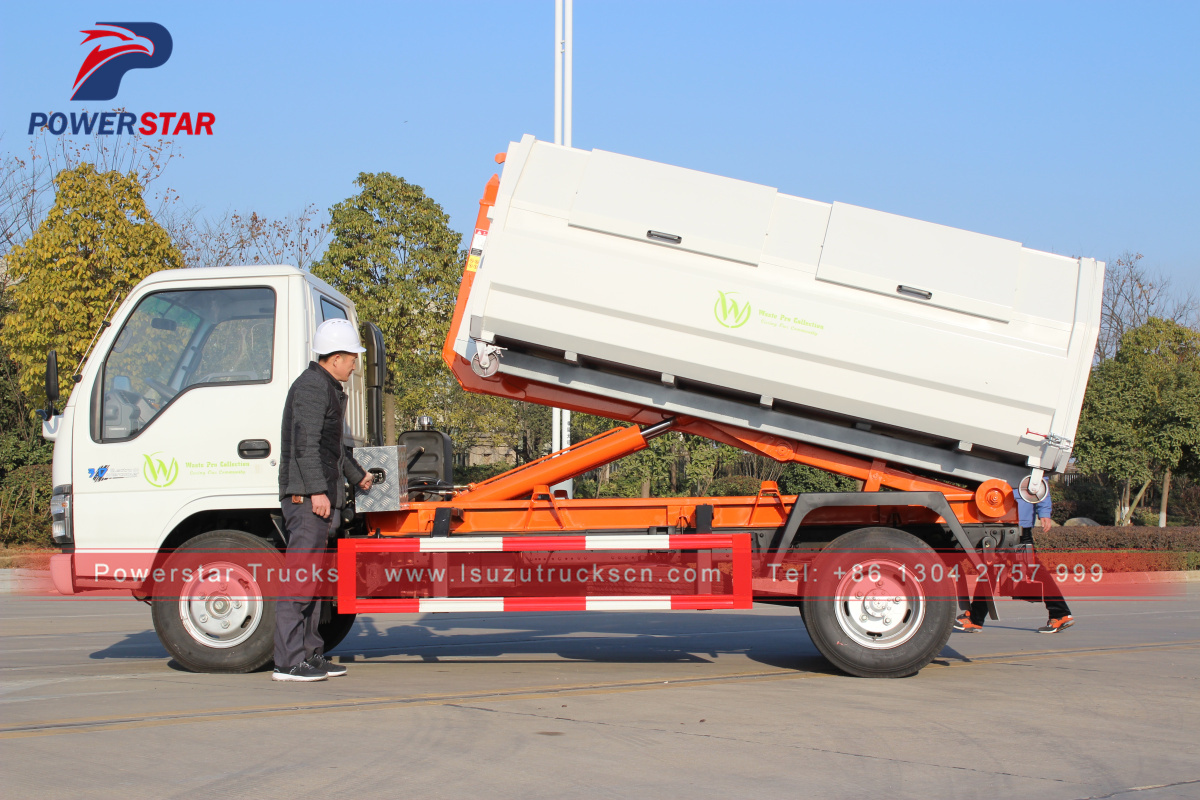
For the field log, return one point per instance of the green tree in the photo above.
(95, 244)
(393, 253)
(1141, 413)
(1165, 356)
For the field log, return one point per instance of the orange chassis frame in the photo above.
(520, 502)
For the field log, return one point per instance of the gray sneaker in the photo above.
(301, 672)
(322, 663)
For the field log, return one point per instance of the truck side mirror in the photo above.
(376, 375)
(52, 376)
(51, 385)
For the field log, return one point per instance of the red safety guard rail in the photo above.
(350, 603)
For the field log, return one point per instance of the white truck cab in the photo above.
(173, 426)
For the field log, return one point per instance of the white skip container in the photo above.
(860, 330)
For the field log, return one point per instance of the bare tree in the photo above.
(239, 238)
(1133, 294)
(27, 180)
(27, 194)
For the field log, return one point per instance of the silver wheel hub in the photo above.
(879, 605)
(221, 606)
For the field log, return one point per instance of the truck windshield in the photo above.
(176, 340)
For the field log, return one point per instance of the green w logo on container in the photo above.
(729, 312)
(158, 472)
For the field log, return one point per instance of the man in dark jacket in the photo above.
(312, 464)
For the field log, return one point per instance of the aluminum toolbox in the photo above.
(390, 489)
(869, 332)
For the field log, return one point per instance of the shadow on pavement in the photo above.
(143, 644)
(777, 642)
(611, 638)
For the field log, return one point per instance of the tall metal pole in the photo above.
(559, 43)
(568, 51)
(560, 420)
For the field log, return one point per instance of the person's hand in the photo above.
(366, 483)
(1045, 524)
(320, 505)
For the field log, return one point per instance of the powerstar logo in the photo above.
(729, 311)
(127, 45)
(158, 472)
(120, 47)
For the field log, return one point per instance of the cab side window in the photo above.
(174, 341)
(331, 310)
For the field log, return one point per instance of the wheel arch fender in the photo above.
(215, 512)
(210, 514)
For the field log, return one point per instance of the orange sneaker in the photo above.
(964, 625)
(1057, 625)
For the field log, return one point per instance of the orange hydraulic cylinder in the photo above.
(557, 467)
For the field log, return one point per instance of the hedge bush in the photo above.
(25, 507)
(1085, 537)
(1156, 548)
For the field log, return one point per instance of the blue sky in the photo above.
(1071, 127)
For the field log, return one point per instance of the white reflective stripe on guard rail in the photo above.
(462, 544)
(487, 544)
(631, 541)
(644, 603)
(432, 604)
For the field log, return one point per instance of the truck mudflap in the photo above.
(62, 573)
(353, 586)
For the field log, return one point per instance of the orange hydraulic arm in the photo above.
(557, 467)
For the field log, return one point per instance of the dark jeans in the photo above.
(298, 614)
(1056, 605)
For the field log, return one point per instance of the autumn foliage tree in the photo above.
(95, 244)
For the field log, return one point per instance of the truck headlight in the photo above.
(60, 515)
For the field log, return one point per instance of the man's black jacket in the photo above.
(312, 456)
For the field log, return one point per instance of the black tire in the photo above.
(335, 629)
(248, 642)
(871, 649)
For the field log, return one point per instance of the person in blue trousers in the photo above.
(1060, 614)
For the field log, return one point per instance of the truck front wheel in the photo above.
(867, 613)
(221, 625)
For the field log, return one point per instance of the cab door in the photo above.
(184, 413)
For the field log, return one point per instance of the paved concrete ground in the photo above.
(687, 704)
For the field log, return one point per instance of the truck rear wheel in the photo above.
(223, 625)
(868, 614)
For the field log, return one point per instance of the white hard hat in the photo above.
(337, 336)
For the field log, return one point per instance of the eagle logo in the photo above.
(123, 46)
